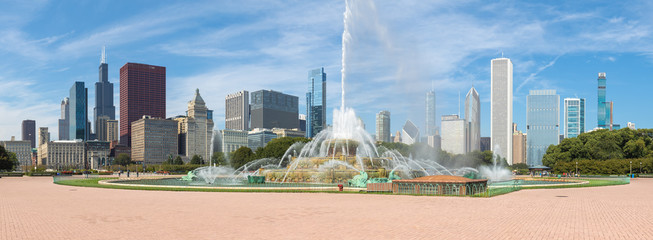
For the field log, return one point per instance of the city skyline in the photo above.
(63, 55)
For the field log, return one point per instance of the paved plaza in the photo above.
(35, 208)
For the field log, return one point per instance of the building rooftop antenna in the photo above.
(104, 55)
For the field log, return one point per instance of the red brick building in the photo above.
(142, 92)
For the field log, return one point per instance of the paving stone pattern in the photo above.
(35, 208)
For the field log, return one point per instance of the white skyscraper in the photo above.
(237, 111)
(501, 108)
(453, 134)
(473, 121)
(383, 126)
(431, 129)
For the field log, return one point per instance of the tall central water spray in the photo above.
(346, 39)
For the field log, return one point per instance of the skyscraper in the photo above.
(316, 102)
(78, 112)
(44, 136)
(574, 117)
(453, 134)
(113, 130)
(430, 113)
(104, 109)
(142, 92)
(603, 110)
(383, 126)
(271, 109)
(196, 129)
(28, 128)
(409, 133)
(64, 122)
(543, 120)
(237, 111)
(473, 121)
(154, 140)
(501, 108)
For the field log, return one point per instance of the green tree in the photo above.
(8, 160)
(635, 149)
(123, 159)
(218, 159)
(241, 156)
(277, 147)
(197, 160)
(178, 161)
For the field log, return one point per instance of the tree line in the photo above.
(603, 152)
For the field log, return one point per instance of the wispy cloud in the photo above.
(533, 75)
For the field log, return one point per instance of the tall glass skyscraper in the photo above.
(316, 102)
(603, 109)
(472, 121)
(501, 108)
(574, 117)
(542, 118)
(78, 112)
(431, 128)
(383, 126)
(104, 109)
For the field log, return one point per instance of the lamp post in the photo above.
(577, 169)
(640, 168)
(631, 169)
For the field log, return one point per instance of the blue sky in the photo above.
(399, 50)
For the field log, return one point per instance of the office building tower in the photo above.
(486, 144)
(142, 93)
(113, 130)
(97, 154)
(631, 126)
(78, 112)
(283, 132)
(574, 117)
(271, 109)
(237, 111)
(453, 134)
(501, 108)
(154, 140)
(196, 129)
(302, 123)
(383, 126)
(104, 109)
(543, 120)
(23, 151)
(259, 137)
(63, 154)
(28, 129)
(518, 145)
(44, 135)
(63, 121)
(316, 102)
(232, 140)
(430, 113)
(472, 121)
(603, 109)
(409, 133)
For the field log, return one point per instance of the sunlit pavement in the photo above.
(35, 208)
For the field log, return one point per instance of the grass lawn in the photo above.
(598, 182)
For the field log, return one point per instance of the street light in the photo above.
(577, 169)
(631, 169)
(640, 167)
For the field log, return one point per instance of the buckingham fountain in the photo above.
(341, 154)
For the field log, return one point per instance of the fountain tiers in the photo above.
(308, 169)
(343, 164)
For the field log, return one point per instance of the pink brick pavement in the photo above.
(35, 208)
